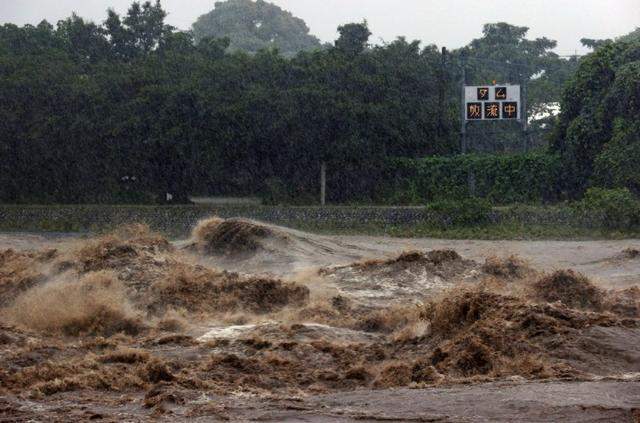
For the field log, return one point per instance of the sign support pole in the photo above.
(441, 91)
(525, 114)
(463, 82)
(471, 180)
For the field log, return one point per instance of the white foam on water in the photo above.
(305, 330)
(227, 332)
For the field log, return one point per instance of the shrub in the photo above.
(614, 208)
(502, 179)
(463, 212)
(617, 164)
(407, 194)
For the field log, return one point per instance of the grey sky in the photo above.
(451, 23)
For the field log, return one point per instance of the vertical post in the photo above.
(441, 91)
(323, 182)
(471, 180)
(463, 82)
(525, 113)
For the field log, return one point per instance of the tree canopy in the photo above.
(598, 133)
(254, 25)
(132, 109)
(632, 36)
(504, 54)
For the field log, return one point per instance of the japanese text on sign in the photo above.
(492, 102)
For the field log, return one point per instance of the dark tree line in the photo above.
(132, 109)
(598, 133)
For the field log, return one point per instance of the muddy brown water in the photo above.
(579, 402)
(613, 398)
(596, 259)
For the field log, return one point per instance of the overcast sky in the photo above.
(450, 23)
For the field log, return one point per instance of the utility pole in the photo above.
(525, 113)
(323, 182)
(471, 177)
(463, 114)
(441, 91)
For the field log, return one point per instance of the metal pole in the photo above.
(471, 180)
(463, 82)
(323, 182)
(525, 113)
(441, 92)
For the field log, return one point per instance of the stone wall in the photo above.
(178, 220)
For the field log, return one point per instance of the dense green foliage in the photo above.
(505, 54)
(502, 179)
(618, 163)
(94, 114)
(132, 109)
(613, 208)
(632, 36)
(253, 26)
(598, 132)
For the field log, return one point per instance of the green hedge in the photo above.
(501, 179)
(611, 208)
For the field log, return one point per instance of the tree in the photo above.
(28, 40)
(353, 38)
(593, 43)
(598, 125)
(505, 54)
(632, 36)
(84, 41)
(131, 109)
(251, 26)
(214, 48)
(617, 164)
(140, 32)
